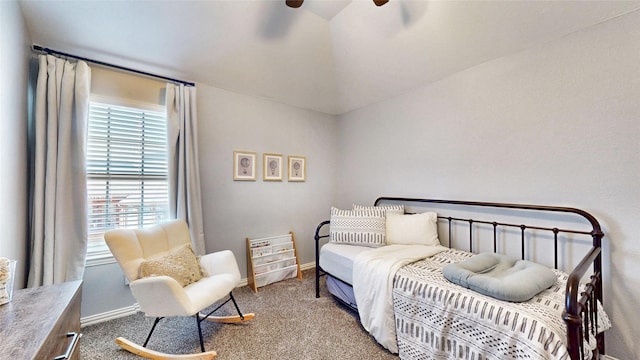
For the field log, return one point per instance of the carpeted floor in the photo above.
(290, 323)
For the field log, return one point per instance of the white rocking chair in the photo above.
(163, 296)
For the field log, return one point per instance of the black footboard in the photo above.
(580, 313)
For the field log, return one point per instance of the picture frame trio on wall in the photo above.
(245, 167)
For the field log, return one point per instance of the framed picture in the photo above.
(272, 165)
(297, 168)
(244, 165)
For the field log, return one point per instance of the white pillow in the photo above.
(418, 229)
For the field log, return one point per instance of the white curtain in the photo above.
(185, 201)
(58, 150)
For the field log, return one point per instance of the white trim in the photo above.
(307, 266)
(99, 255)
(133, 309)
(109, 315)
(97, 261)
(303, 267)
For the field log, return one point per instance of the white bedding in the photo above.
(390, 296)
(437, 319)
(338, 260)
(373, 274)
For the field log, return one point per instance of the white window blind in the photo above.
(127, 171)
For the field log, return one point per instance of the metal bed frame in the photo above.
(580, 313)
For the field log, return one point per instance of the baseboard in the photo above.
(109, 315)
(308, 266)
(303, 267)
(130, 310)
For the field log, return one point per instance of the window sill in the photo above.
(99, 256)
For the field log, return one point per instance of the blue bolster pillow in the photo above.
(501, 276)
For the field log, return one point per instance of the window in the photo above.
(127, 171)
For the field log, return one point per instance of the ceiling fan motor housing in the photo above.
(298, 3)
(294, 3)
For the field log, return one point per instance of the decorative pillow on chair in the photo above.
(417, 229)
(181, 264)
(357, 227)
(388, 209)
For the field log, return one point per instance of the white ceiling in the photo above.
(330, 56)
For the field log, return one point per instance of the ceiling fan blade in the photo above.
(294, 3)
(380, 2)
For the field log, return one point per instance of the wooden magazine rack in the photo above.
(272, 259)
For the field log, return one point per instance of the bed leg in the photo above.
(317, 282)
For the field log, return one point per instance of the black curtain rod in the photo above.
(55, 52)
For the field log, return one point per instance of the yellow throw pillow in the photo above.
(181, 264)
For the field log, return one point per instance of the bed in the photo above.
(404, 301)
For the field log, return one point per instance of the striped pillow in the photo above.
(357, 227)
(388, 209)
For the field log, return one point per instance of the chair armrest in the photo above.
(221, 262)
(161, 296)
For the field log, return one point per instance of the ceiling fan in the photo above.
(298, 3)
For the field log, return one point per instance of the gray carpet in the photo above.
(290, 323)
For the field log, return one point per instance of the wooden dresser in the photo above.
(42, 323)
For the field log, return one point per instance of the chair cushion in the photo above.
(210, 289)
(501, 276)
(180, 264)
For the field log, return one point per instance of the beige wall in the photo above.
(558, 124)
(235, 210)
(14, 73)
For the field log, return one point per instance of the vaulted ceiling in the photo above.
(329, 56)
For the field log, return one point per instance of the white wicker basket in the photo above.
(8, 271)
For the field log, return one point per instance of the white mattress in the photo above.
(337, 260)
